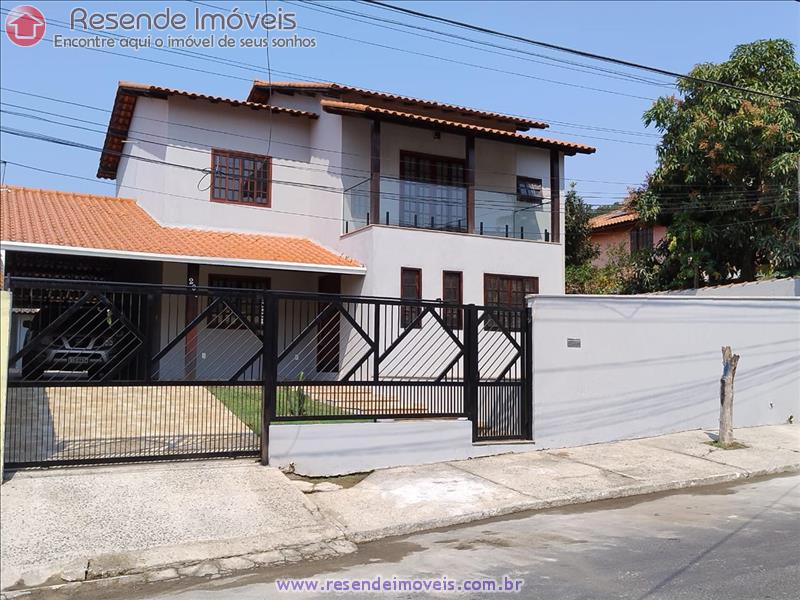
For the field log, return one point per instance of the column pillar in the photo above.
(375, 172)
(555, 197)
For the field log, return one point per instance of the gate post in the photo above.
(150, 322)
(269, 370)
(376, 344)
(527, 373)
(471, 376)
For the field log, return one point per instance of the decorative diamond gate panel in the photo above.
(108, 372)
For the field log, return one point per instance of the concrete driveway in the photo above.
(62, 423)
(66, 524)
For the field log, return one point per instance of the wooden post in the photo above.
(470, 173)
(375, 172)
(555, 197)
(729, 363)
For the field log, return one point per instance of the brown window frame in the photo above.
(535, 200)
(245, 305)
(409, 313)
(219, 152)
(450, 211)
(641, 238)
(508, 320)
(453, 317)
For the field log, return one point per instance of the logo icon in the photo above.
(25, 25)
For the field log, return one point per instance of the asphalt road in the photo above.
(739, 541)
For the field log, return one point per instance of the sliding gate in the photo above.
(102, 372)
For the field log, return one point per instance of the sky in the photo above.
(601, 110)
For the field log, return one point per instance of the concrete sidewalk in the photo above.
(155, 522)
(404, 500)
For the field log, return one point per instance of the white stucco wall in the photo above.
(651, 365)
(296, 209)
(337, 448)
(332, 152)
(385, 250)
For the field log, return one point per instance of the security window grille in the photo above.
(641, 239)
(250, 307)
(452, 291)
(240, 178)
(529, 190)
(410, 289)
(507, 291)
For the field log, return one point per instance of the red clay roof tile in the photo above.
(615, 217)
(335, 106)
(50, 217)
(259, 87)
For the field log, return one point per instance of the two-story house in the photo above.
(409, 197)
(304, 186)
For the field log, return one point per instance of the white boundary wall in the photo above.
(650, 365)
(337, 448)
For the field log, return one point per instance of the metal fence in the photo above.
(103, 372)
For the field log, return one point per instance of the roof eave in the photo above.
(179, 258)
(461, 130)
(110, 157)
(520, 124)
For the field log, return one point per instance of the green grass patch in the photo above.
(245, 403)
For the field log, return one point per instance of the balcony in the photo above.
(439, 207)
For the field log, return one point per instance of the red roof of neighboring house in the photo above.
(335, 106)
(119, 225)
(614, 218)
(125, 103)
(261, 90)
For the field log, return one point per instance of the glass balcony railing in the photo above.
(444, 208)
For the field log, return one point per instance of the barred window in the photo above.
(249, 305)
(507, 292)
(241, 178)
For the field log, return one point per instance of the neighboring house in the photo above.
(308, 187)
(620, 230)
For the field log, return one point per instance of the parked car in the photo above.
(83, 345)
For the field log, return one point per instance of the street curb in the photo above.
(641, 489)
(104, 576)
(101, 578)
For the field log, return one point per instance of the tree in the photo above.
(726, 179)
(579, 249)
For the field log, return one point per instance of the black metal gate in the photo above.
(102, 372)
